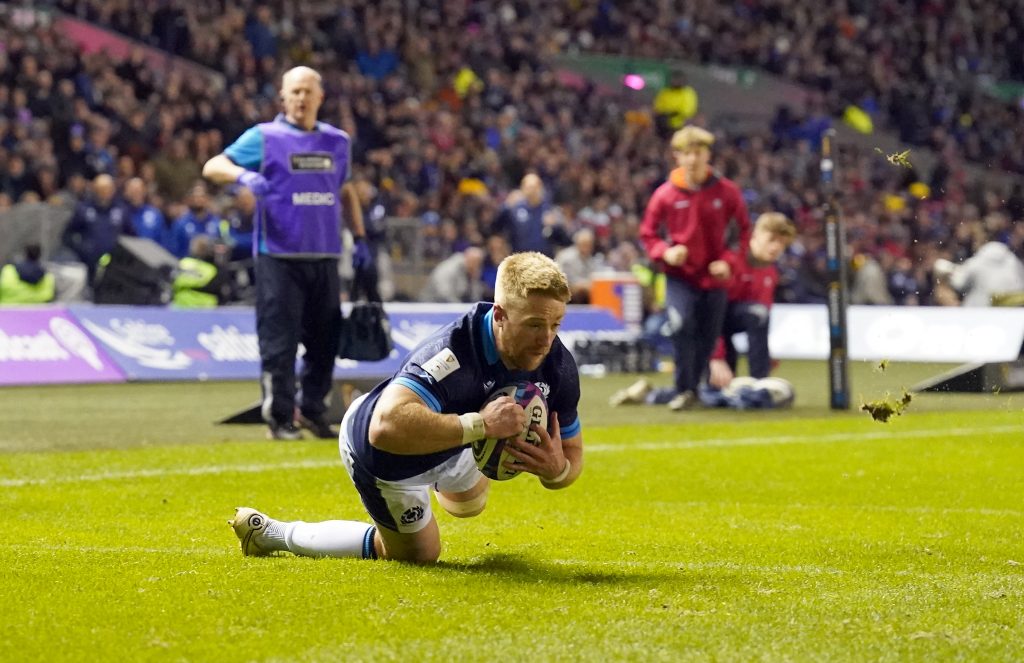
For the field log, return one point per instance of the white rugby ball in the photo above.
(490, 454)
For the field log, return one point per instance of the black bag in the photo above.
(366, 332)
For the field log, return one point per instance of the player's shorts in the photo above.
(404, 506)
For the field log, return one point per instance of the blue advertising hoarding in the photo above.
(151, 343)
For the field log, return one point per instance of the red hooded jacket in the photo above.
(697, 218)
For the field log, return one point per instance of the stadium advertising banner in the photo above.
(45, 346)
(152, 343)
(411, 323)
(903, 333)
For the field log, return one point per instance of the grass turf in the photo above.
(710, 535)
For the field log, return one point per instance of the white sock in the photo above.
(331, 538)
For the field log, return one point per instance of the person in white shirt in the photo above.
(992, 270)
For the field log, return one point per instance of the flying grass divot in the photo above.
(886, 408)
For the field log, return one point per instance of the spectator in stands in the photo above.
(675, 103)
(869, 285)
(377, 60)
(26, 281)
(684, 231)
(176, 172)
(993, 271)
(17, 180)
(199, 282)
(580, 262)
(528, 219)
(198, 219)
(456, 279)
(147, 221)
(260, 33)
(497, 249)
(237, 224)
(96, 224)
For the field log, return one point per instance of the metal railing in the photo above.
(33, 223)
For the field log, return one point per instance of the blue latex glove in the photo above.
(255, 182)
(362, 255)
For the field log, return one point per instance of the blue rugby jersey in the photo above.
(454, 371)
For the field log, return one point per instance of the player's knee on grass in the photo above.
(473, 506)
(422, 547)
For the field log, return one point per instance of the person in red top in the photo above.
(750, 294)
(684, 231)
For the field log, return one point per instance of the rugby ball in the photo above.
(490, 454)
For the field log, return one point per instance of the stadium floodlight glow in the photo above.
(634, 81)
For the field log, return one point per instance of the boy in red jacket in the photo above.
(750, 295)
(684, 231)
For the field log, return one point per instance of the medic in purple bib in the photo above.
(298, 168)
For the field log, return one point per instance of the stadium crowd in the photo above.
(453, 109)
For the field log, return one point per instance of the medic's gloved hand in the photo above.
(362, 256)
(254, 182)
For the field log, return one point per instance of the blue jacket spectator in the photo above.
(198, 220)
(377, 62)
(96, 224)
(147, 220)
(523, 219)
(237, 224)
(259, 34)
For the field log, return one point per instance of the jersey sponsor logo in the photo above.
(682, 204)
(311, 162)
(717, 203)
(544, 388)
(317, 198)
(441, 365)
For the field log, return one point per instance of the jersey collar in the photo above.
(487, 337)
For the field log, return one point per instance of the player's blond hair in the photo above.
(523, 274)
(690, 137)
(776, 223)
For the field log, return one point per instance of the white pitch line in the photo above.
(884, 508)
(804, 439)
(119, 550)
(251, 468)
(255, 468)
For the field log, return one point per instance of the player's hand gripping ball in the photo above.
(490, 454)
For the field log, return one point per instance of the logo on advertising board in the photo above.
(142, 341)
(76, 341)
(153, 343)
(409, 332)
(43, 346)
(230, 344)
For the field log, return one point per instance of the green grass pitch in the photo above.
(799, 535)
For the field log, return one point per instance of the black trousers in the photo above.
(296, 302)
(696, 317)
(752, 318)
